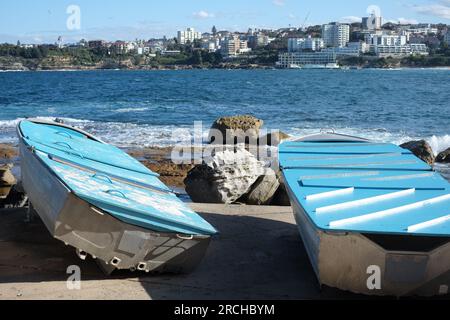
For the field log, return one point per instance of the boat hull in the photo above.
(345, 261)
(114, 244)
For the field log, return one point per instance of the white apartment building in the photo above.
(423, 30)
(299, 44)
(189, 35)
(386, 40)
(211, 45)
(336, 34)
(372, 23)
(305, 59)
(383, 51)
(353, 49)
(393, 45)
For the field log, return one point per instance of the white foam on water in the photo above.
(143, 135)
(439, 144)
(130, 110)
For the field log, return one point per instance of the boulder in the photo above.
(7, 151)
(421, 149)
(236, 129)
(16, 198)
(444, 156)
(273, 138)
(6, 177)
(263, 190)
(224, 177)
(281, 197)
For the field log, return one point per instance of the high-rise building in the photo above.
(372, 23)
(336, 34)
(189, 35)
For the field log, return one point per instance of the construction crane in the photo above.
(306, 20)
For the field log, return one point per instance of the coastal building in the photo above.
(336, 34)
(234, 46)
(188, 35)
(377, 39)
(143, 50)
(398, 51)
(211, 45)
(123, 47)
(372, 23)
(353, 49)
(256, 40)
(423, 30)
(308, 44)
(322, 59)
(447, 38)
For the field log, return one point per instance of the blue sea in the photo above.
(143, 108)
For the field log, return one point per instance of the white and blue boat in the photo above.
(99, 200)
(373, 217)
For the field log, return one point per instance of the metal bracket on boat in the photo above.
(115, 261)
(185, 237)
(142, 266)
(81, 254)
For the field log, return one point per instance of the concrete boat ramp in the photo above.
(258, 255)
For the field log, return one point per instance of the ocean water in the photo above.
(148, 108)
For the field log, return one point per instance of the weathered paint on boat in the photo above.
(360, 204)
(104, 203)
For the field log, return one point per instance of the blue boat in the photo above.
(373, 217)
(104, 203)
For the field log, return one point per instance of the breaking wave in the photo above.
(124, 134)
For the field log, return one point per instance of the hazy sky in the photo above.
(44, 20)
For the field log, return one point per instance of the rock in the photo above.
(281, 197)
(6, 177)
(273, 138)
(224, 177)
(444, 156)
(15, 199)
(7, 151)
(170, 173)
(263, 190)
(421, 149)
(237, 129)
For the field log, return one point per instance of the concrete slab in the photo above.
(258, 255)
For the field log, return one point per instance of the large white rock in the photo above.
(224, 177)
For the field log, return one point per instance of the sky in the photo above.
(43, 21)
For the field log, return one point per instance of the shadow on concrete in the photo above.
(252, 258)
